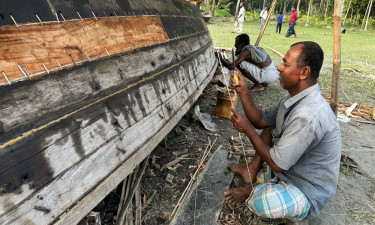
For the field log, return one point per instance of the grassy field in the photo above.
(357, 78)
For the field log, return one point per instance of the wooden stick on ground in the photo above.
(205, 154)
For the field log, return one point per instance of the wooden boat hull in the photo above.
(71, 129)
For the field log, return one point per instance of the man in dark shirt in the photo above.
(279, 22)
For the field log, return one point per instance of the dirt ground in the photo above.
(354, 202)
(161, 187)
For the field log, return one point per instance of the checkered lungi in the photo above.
(290, 30)
(279, 199)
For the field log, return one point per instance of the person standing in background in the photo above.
(292, 23)
(238, 25)
(280, 18)
(263, 16)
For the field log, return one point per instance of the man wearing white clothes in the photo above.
(238, 25)
(263, 17)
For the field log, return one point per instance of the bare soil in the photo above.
(161, 187)
(354, 202)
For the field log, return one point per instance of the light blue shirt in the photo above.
(306, 144)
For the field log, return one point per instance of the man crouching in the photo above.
(300, 141)
(253, 62)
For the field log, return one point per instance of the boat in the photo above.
(87, 90)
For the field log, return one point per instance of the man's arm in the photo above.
(243, 55)
(253, 113)
(243, 125)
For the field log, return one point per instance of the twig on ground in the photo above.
(204, 156)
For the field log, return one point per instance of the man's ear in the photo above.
(305, 72)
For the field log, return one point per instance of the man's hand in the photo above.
(240, 123)
(242, 87)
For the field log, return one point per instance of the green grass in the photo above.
(357, 52)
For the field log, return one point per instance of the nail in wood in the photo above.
(94, 15)
(79, 15)
(40, 21)
(27, 73)
(45, 67)
(14, 21)
(6, 78)
(87, 56)
(19, 67)
(58, 63)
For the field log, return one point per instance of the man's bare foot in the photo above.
(237, 195)
(247, 175)
(257, 87)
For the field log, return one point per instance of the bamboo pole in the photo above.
(347, 12)
(368, 14)
(364, 17)
(265, 24)
(336, 54)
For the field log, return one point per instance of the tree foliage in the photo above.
(321, 10)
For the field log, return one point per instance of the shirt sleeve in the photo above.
(293, 142)
(269, 115)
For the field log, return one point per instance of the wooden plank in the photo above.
(47, 204)
(71, 89)
(29, 46)
(61, 146)
(205, 200)
(90, 200)
(94, 128)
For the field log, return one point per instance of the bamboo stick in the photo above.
(336, 54)
(265, 23)
(368, 14)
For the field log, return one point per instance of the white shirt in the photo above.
(263, 14)
(241, 14)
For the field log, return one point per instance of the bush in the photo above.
(222, 13)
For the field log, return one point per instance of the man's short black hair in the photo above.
(312, 56)
(243, 39)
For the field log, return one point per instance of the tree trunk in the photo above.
(325, 12)
(343, 23)
(308, 13)
(264, 3)
(285, 6)
(213, 8)
(351, 17)
(364, 17)
(336, 54)
(237, 8)
(368, 14)
(299, 2)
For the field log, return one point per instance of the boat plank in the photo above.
(37, 103)
(67, 42)
(64, 188)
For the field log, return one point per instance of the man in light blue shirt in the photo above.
(301, 142)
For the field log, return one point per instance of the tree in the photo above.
(237, 8)
(347, 12)
(299, 2)
(368, 14)
(213, 8)
(308, 13)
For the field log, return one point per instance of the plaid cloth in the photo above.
(279, 199)
(290, 30)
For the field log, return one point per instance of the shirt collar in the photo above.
(302, 94)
